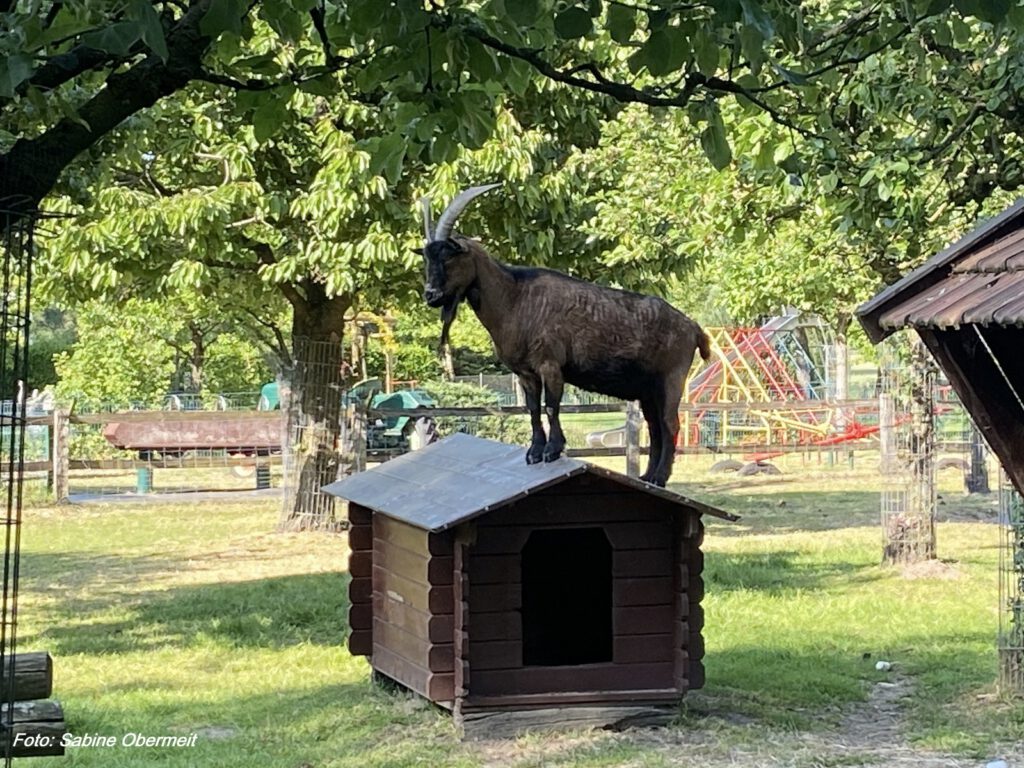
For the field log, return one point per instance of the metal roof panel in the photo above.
(994, 257)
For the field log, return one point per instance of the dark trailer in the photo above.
(490, 586)
(967, 305)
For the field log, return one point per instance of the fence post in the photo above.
(886, 432)
(633, 439)
(60, 453)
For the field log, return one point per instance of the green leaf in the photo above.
(116, 39)
(14, 70)
(392, 153)
(152, 30)
(523, 12)
(794, 78)
(324, 85)
(706, 51)
(443, 149)
(223, 16)
(656, 19)
(754, 15)
(573, 23)
(621, 23)
(992, 11)
(752, 44)
(658, 52)
(715, 143)
(727, 12)
(480, 61)
(268, 117)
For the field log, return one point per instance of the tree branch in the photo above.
(66, 66)
(265, 255)
(626, 93)
(32, 166)
(317, 14)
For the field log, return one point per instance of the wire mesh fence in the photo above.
(907, 461)
(1011, 590)
(16, 244)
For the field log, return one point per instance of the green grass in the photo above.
(169, 619)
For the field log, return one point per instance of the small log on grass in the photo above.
(33, 675)
(37, 728)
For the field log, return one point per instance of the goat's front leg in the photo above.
(551, 376)
(531, 388)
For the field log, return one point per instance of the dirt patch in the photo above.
(932, 569)
(869, 735)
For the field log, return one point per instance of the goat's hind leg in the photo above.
(673, 389)
(531, 389)
(551, 376)
(652, 415)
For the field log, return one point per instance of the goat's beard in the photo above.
(448, 312)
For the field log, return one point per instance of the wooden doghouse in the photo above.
(490, 586)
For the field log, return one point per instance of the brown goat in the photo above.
(552, 329)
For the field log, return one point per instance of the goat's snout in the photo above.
(433, 296)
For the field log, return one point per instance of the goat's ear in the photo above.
(419, 251)
(459, 247)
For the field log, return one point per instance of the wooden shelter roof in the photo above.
(967, 305)
(979, 280)
(462, 477)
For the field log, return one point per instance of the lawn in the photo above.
(172, 620)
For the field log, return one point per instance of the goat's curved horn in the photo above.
(457, 206)
(428, 227)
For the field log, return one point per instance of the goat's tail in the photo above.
(704, 344)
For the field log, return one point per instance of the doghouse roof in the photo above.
(979, 280)
(461, 477)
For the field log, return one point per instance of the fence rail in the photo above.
(176, 442)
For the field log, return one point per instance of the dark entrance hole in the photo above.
(567, 597)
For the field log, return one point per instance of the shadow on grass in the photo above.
(809, 688)
(269, 613)
(781, 573)
(774, 511)
(54, 573)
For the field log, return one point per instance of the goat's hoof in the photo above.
(535, 455)
(551, 454)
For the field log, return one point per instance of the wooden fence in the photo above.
(172, 433)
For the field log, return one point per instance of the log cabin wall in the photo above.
(413, 607)
(689, 592)
(643, 536)
(360, 586)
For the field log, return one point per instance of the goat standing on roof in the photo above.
(552, 329)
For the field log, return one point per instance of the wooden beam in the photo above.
(982, 388)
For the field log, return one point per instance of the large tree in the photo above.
(435, 78)
(71, 71)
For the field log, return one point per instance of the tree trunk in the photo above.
(197, 359)
(314, 409)
(910, 535)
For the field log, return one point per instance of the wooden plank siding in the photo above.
(642, 532)
(413, 608)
